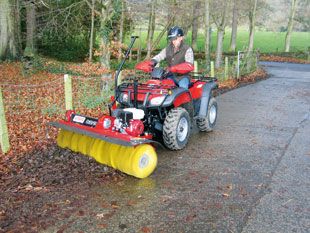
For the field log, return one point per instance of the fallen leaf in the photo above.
(37, 188)
(131, 203)
(146, 230)
(81, 213)
(190, 218)
(225, 195)
(100, 215)
(114, 205)
(102, 225)
(28, 187)
(229, 187)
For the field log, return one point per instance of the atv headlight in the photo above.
(156, 101)
(107, 123)
(124, 97)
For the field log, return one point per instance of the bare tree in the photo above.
(219, 17)
(252, 18)
(161, 34)
(290, 25)
(30, 28)
(166, 21)
(8, 48)
(302, 16)
(121, 30)
(172, 8)
(151, 29)
(91, 39)
(234, 27)
(107, 13)
(17, 26)
(139, 46)
(207, 32)
(196, 7)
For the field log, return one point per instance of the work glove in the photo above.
(146, 66)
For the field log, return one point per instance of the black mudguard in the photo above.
(205, 98)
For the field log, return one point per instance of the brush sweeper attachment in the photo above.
(107, 145)
(141, 115)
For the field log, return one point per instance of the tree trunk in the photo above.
(172, 13)
(234, 28)
(290, 26)
(105, 48)
(8, 49)
(220, 38)
(31, 29)
(106, 15)
(151, 29)
(219, 46)
(170, 22)
(161, 34)
(196, 7)
(91, 39)
(207, 32)
(17, 26)
(252, 17)
(121, 31)
(139, 46)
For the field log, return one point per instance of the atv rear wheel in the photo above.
(207, 123)
(176, 129)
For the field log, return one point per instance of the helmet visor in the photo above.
(172, 37)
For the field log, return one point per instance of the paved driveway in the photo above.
(252, 174)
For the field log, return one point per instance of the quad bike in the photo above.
(141, 115)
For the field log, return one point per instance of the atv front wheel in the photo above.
(207, 123)
(176, 129)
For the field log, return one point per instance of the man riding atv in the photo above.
(178, 55)
(144, 113)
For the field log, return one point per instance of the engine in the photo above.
(128, 121)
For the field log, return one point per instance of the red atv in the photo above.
(166, 110)
(142, 113)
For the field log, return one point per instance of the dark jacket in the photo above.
(176, 57)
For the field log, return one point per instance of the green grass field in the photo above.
(266, 42)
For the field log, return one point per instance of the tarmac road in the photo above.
(252, 174)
